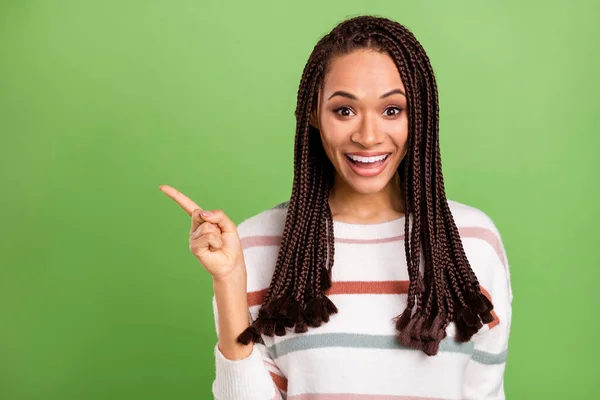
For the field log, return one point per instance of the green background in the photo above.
(101, 102)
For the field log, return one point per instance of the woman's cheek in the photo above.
(342, 129)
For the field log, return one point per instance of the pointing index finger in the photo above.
(184, 202)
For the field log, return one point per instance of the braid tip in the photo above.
(431, 347)
(487, 317)
(279, 329)
(471, 319)
(464, 332)
(403, 319)
(265, 326)
(250, 334)
(478, 301)
(301, 327)
(318, 310)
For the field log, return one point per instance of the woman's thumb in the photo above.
(219, 218)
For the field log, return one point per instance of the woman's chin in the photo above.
(368, 186)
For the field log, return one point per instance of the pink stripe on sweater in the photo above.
(350, 396)
(466, 232)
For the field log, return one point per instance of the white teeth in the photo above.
(367, 159)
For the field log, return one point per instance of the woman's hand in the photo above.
(214, 238)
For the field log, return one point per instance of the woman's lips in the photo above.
(367, 169)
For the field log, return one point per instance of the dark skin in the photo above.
(362, 107)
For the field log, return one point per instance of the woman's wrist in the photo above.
(237, 275)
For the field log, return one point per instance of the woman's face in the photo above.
(362, 119)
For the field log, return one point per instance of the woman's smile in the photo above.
(365, 164)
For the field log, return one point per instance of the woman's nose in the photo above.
(367, 134)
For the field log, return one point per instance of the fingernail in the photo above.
(206, 213)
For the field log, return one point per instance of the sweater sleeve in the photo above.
(484, 375)
(250, 378)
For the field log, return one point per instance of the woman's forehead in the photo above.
(361, 71)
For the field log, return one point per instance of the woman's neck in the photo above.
(350, 206)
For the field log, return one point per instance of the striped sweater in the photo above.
(355, 356)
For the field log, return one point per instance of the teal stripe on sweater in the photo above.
(484, 357)
(351, 340)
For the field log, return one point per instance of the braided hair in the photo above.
(447, 289)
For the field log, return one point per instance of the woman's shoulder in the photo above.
(482, 243)
(268, 222)
(469, 216)
(473, 223)
(260, 236)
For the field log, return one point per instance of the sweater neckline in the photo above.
(379, 230)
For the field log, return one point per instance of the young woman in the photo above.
(368, 283)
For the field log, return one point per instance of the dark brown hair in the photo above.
(448, 290)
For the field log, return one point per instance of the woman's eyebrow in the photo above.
(391, 92)
(343, 94)
(353, 97)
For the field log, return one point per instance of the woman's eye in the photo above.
(343, 111)
(396, 111)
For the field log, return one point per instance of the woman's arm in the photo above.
(484, 376)
(232, 306)
(214, 240)
(241, 370)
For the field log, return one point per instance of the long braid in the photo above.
(406, 323)
(324, 279)
(437, 287)
(411, 191)
(443, 288)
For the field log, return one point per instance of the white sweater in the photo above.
(355, 355)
